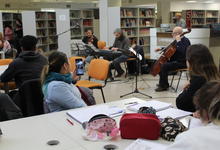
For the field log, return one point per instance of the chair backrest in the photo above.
(72, 62)
(31, 98)
(5, 61)
(101, 44)
(99, 69)
(8, 109)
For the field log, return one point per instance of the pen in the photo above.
(117, 113)
(70, 122)
(189, 123)
(131, 103)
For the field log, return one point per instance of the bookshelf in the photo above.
(46, 30)
(80, 20)
(202, 18)
(136, 23)
(8, 18)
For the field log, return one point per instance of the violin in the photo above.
(166, 54)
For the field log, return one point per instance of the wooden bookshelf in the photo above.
(80, 20)
(46, 30)
(136, 23)
(212, 16)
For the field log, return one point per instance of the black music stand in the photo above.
(136, 78)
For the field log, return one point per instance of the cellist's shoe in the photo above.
(160, 89)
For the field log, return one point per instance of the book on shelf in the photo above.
(144, 32)
(40, 15)
(128, 23)
(87, 14)
(75, 14)
(51, 16)
(147, 13)
(130, 32)
(87, 22)
(146, 22)
(128, 12)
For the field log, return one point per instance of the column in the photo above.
(163, 11)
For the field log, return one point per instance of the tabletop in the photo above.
(33, 133)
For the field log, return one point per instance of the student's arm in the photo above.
(63, 96)
(9, 73)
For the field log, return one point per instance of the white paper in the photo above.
(153, 103)
(173, 113)
(85, 114)
(3, 68)
(141, 144)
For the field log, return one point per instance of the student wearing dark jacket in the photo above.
(121, 43)
(28, 65)
(177, 61)
(202, 69)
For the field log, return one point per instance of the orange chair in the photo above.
(101, 44)
(72, 62)
(9, 85)
(98, 69)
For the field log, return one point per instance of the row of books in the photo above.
(146, 22)
(128, 13)
(45, 15)
(144, 41)
(198, 14)
(130, 32)
(87, 22)
(144, 32)
(44, 24)
(128, 22)
(198, 21)
(147, 13)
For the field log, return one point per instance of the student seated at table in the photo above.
(202, 68)
(207, 100)
(28, 65)
(59, 92)
(4, 44)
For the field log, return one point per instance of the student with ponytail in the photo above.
(59, 92)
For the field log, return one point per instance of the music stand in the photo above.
(138, 57)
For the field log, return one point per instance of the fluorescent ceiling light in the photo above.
(191, 1)
(207, 2)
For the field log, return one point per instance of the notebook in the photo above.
(158, 105)
(141, 144)
(85, 114)
(173, 113)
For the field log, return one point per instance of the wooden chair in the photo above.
(98, 69)
(180, 71)
(9, 85)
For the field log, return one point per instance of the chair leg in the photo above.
(171, 83)
(187, 77)
(103, 95)
(178, 81)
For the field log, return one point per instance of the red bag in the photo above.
(137, 125)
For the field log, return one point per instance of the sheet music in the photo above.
(173, 113)
(141, 144)
(85, 114)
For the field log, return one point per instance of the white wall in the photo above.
(179, 6)
(29, 23)
(63, 25)
(1, 23)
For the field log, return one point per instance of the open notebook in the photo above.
(153, 103)
(173, 113)
(84, 114)
(141, 144)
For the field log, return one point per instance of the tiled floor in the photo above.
(146, 84)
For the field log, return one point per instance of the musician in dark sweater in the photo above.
(120, 43)
(177, 61)
(90, 38)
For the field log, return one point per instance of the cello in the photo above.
(169, 51)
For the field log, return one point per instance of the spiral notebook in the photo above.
(158, 105)
(85, 114)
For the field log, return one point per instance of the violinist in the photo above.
(90, 38)
(177, 61)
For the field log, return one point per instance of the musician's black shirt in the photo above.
(181, 47)
(94, 41)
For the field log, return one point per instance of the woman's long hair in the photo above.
(201, 62)
(56, 60)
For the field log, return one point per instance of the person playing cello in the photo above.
(177, 61)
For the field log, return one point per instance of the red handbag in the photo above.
(138, 125)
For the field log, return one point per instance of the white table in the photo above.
(33, 133)
(3, 68)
